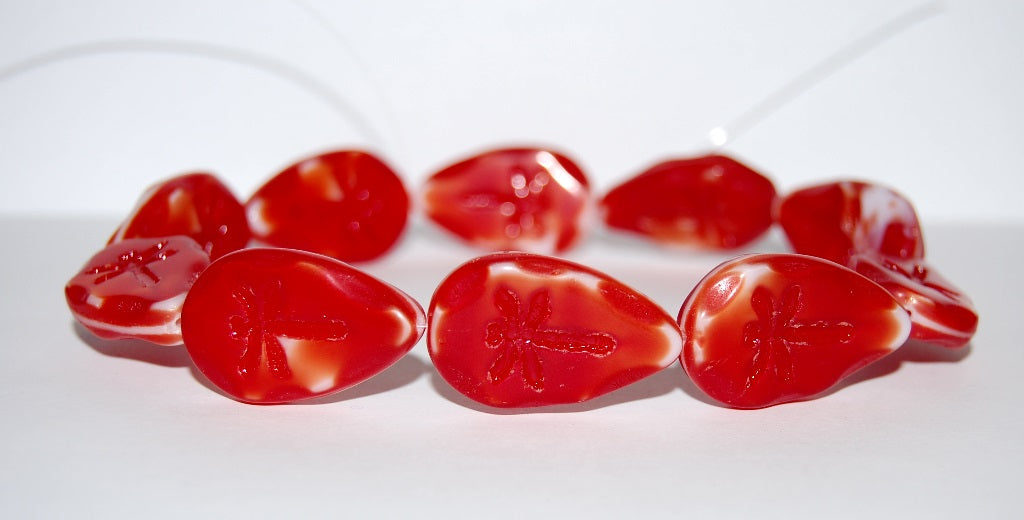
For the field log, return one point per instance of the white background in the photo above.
(100, 99)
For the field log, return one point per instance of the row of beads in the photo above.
(352, 206)
(349, 205)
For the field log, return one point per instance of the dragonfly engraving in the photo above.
(135, 262)
(776, 331)
(262, 324)
(520, 331)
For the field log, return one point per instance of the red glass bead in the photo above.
(135, 288)
(709, 202)
(280, 325)
(346, 204)
(939, 312)
(519, 198)
(519, 330)
(197, 205)
(839, 219)
(767, 329)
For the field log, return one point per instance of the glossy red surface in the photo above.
(709, 202)
(939, 312)
(525, 199)
(839, 219)
(768, 329)
(521, 330)
(280, 325)
(345, 204)
(197, 205)
(135, 288)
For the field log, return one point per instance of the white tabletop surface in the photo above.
(124, 429)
